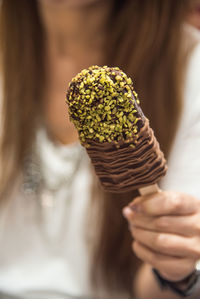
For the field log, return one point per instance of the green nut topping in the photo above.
(103, 105)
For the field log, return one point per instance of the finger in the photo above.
(182, 225)
(166, 203)
(168, 244)
(171, 268)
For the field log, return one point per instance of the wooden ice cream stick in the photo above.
(149, 189)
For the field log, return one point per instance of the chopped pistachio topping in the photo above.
(102, 105)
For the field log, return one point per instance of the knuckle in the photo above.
(195, 249)
(152, 258)
(149, 257)
(161, 242)
(176, 203)
(135, 249)
(197, 225)
(197, 228)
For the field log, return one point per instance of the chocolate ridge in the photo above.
(130, 166)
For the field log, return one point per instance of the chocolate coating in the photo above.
(128, 168)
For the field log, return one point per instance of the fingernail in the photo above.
(135, 208)
(126, 212)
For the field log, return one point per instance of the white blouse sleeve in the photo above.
(184, 161)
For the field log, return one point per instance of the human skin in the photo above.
(72, 45)
(194, 15)
(165, 227)
(68, 52)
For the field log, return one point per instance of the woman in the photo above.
(57, 228)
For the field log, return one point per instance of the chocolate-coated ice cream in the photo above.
(104, 108)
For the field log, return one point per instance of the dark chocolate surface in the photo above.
(128, 168)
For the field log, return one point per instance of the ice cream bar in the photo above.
(104, 108)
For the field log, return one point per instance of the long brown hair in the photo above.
(144, 39)
(22, 66)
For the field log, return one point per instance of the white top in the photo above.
(44, 252)
(184, 161)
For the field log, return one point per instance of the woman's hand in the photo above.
(166, 231)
